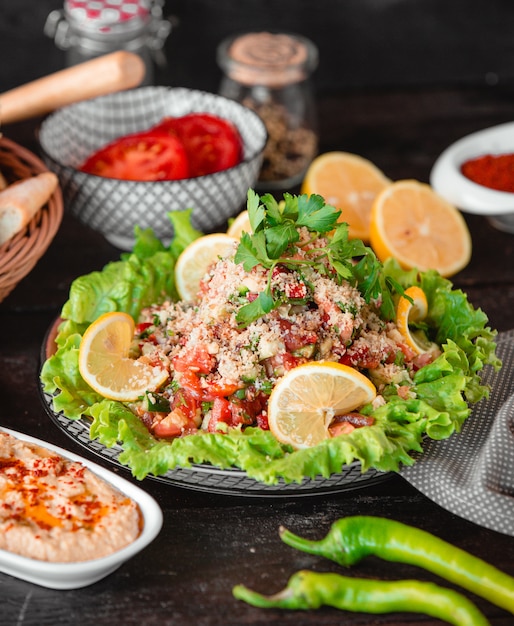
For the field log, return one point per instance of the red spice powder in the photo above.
(495, 171)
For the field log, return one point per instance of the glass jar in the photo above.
(270, 73)
(90, 28)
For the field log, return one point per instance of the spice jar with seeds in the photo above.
(270, 73)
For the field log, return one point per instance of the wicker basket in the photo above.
(19, 255)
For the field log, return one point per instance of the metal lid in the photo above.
(271, 59)
(108, 17)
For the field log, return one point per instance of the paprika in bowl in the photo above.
(115, 204)
(468, 174)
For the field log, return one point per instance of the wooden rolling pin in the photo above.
(102, 75)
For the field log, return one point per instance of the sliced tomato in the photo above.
(142, 156)
(212, 144)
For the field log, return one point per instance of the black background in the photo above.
(362, 43)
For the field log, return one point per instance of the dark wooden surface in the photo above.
(211, 542)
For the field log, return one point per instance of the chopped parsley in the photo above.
(275, 236)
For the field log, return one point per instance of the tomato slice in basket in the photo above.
(145, 156)
(212, 144)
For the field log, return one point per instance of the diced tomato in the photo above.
(190, 381)
(187, 402)
(361, 357)
(220, 412)
(140, 328)
(148, 337)
(262, 421)
(141, 156)
(408, 352)
(247, 411)
(404, 391)
(175, 424)
(218, 390)
(197, 359)
(236, 412)
(167, 429)
(294, 341)
(211, 143)
(279, 364)
(421, 360)
(296, 291)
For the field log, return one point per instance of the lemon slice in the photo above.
(240, 224)
(305, 401)
(105, 365)
(350, 183)
(408, 312)
(194, 261)
(412, 223)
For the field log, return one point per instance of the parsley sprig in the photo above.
(274, 242)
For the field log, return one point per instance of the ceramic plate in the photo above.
(83, 573)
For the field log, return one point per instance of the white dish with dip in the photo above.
(447, 179)
(73, 575)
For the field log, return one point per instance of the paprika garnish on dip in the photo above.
(56, 509)
(495, 171)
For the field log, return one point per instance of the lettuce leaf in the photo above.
(143, 277)
(444, 390)
(384, 446)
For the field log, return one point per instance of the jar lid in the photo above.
(271, 59)
(108, 17)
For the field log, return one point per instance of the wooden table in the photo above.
(211, 542)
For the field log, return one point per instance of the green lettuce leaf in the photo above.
(143, 277)
(384, 446)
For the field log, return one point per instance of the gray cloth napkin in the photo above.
(471, 474)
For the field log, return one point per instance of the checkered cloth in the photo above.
(471, 474)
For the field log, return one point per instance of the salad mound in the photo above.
(295, 290)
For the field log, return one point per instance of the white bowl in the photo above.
(83, 573)
(447, 179)
(115, 207)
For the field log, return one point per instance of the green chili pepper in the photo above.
(350, 539)
(310, 590)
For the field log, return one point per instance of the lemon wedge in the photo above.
(104, 361)
(304, 402)
(193, 263)
(409, 312)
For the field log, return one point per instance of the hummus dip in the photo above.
(55, 509)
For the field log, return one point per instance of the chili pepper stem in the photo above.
(311, 546)
(311, 590)
(350, 539)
